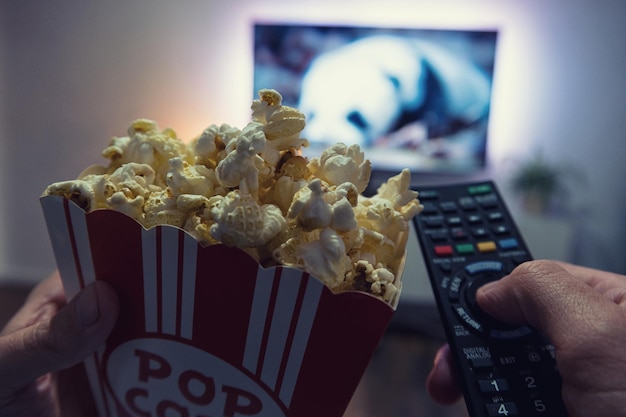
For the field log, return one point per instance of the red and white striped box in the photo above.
(206, 331)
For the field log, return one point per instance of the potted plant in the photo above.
(542, 184)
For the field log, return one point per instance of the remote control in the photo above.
(468, 238)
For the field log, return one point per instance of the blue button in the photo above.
(483, 266)
(507, 244)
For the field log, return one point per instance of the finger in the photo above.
(441, 383)
(71, 335)
(40, 304)
(545, 295)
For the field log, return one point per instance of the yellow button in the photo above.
(488, 246)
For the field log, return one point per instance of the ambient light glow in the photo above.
(223, 81)
(512, 104)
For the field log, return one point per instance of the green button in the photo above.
(465, 248)
(480, 189)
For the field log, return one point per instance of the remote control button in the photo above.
(513, 333)
(448, 206)
(479, 232)
(495, 328)
(474, 219)
(458, 233)
(454, 292)
(429, 208)
(444, 250)
(502, 409)
(433, 221)
(534, 354)
(465, 249)
(470, 300)
(466, 318)
(481, 363)
(493, 385)
(480, 189)
(496, 216)
(426, 195)
(501, 230)
(487, 201)
(488, 246)
(508, 244)
(439, 236)
(454, 221)
(445, 283)
(483, 267)
(467, 203)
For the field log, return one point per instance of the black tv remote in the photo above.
(468, 238)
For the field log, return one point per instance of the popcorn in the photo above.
(239, 220)
(326, 257)
(79, 191)
(161, 208)
(381, 279)
(241, 166)
(316, 208)
(251, 188)
(210, 146)
(340, 163)
(281, 124)
(309, 207)
(146, 144)
(183, 178)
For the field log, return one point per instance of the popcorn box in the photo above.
(206, 331)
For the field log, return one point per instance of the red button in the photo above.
(444, 250)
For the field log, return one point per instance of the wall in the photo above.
(3, 145)
(77, 73)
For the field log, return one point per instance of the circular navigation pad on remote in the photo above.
(470, 300)
(462, 294)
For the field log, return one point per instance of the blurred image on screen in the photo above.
(411, 98)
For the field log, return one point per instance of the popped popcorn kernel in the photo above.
(128, 203)
(284, 122)
(325, 258)
(209, 147)
(309, 207)
(161, 208)
(397, 190)
(183, 178)
(341, 163)
(146, 144)
(271, 97)
(79, 191)
(241, 166)
(377, 280)
(269, 100)
(294, 166)
(239, 220)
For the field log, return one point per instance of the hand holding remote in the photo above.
(583, 313)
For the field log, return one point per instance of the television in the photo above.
(416, 98)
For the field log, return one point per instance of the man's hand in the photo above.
(48, 335)
(583, 313)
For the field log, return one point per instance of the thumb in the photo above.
(71, 335)
(544, 295)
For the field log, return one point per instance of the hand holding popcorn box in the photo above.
(252, 281)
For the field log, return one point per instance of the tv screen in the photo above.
(411, 98)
